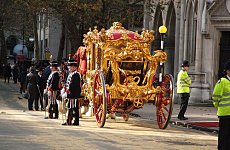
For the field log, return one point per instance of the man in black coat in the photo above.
(22, 79)
(32, 88)
(72, 93)
(7, 73)
(52, 88)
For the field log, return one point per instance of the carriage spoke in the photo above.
(163, 114)
(98, 92)
(98, 110)
(164, 105)
(166, 109)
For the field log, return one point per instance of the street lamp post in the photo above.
(162, 31)
(31, 39)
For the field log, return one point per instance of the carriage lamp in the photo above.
(162, 31)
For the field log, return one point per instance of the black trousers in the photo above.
(73, 112)
(7, 78)
(15, 79)
(224, 133)
(32, 100)
(53, 108)
(184, 104)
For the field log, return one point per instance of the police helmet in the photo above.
(185, 64)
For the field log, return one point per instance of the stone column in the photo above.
(196, 87)
(146, 14)
(199, 39)
(181, 43)
(177, 42)
(186, 22)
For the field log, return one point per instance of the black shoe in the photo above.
(64, 124)
(76, 123)
(182, 118)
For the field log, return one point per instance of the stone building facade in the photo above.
(198, 31)
(49, 35)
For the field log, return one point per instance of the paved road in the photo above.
(26, 130)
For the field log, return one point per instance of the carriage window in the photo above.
(131, 65)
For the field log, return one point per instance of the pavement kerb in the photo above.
(201, 104)
(190, 126)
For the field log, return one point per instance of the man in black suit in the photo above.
(72, 93)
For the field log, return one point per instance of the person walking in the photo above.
(7, 72)
(22, 81)
(72, 92)
(31, 84)
(183, 83)
(221, 101)
(15, 73)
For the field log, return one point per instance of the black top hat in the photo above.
(227, 65)
(185, 64)
(54, 63)
(72, 62)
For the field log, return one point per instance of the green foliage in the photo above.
(77, 15)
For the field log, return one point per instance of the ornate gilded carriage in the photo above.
(121, 74)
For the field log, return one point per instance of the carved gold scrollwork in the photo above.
(132, 80)
(138, 103)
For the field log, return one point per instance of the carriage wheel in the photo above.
(99, 102)
(164, 99)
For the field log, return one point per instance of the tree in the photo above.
(31, 9)
(4, 7)
(77, 16)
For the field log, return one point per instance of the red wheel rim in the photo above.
(165, 102)
(99, 101)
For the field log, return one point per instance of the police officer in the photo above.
(221, 100)
(31, 84)
(52, 87)
(183, 83)
(72, 93)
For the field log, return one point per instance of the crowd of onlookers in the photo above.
(18, 74)
(10, 71)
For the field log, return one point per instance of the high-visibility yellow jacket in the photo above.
(183, 82)
(221, 97)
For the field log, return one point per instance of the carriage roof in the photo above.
(118, 33)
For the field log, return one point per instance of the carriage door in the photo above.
(224, 51)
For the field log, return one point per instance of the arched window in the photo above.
(190, 32)
(158, 21)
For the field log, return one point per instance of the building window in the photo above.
(190, 48)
